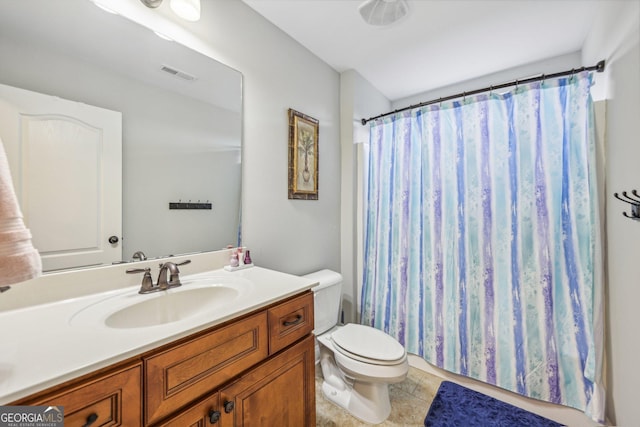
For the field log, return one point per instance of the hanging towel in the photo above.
(19, 260)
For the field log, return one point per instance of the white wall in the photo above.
(615, 37)
(295, 236)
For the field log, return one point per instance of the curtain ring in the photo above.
(517, 84)
(464, 96)
(490, 90)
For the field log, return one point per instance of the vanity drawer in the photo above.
(110, 399)
(188, 371)
(290, 321)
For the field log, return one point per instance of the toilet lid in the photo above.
(368, 343)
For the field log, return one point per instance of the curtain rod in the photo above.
(599, 67)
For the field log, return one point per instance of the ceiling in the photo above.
(441, 42)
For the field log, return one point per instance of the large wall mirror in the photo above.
(181, 121)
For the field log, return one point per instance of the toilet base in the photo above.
(366, 401)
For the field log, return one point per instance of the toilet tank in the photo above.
(326, 299)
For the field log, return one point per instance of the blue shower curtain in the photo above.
(482, 245)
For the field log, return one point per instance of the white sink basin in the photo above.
(197, 298)
(171, 307)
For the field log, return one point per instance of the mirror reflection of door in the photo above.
(65, 160)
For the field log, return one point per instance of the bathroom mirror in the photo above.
(181, 117)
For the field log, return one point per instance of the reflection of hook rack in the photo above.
(634, 201)
(191, 205)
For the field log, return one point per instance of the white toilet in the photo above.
(358, 362)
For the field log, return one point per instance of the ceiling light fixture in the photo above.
(383, 12)
(185, 9)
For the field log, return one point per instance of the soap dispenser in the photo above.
(233, 262)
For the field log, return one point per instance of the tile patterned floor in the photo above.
(410, 402)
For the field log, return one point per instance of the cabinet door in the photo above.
(280, 392)
(202, 414)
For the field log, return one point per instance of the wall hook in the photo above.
(634, 201)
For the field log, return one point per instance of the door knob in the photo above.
(113, 240)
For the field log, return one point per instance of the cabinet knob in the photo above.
(228, 406)
(214, 416)
(91, 419)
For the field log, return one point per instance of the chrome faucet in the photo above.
(163, 284)
(139, 256)
(147, 285)
(174, 278)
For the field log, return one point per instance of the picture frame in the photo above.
(303, 156)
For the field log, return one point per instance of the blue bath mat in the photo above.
(457, 406)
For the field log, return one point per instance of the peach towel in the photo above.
(19, 260)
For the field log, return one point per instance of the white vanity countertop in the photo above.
(40, 346)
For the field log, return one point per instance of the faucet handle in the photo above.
(175, 264)
(174, 279)
(147, 281)
(174, 274)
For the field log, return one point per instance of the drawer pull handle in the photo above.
(214, 416)
(228, 406)
(297, 320)
(91, 419)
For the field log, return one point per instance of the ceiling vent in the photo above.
(175, 72)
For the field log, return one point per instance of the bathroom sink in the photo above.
(171, 307)
(203, 297)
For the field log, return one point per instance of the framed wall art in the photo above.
(303, 156)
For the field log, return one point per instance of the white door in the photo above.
(66, 164)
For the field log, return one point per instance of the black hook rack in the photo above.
(633, 200)
(191, 205)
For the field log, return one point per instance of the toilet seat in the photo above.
(368, 345)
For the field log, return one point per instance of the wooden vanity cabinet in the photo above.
(206, 412)
(179, 374)
(257, 370)
(279, 392)
(107, 399)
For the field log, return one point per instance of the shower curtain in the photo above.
(482, 245)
